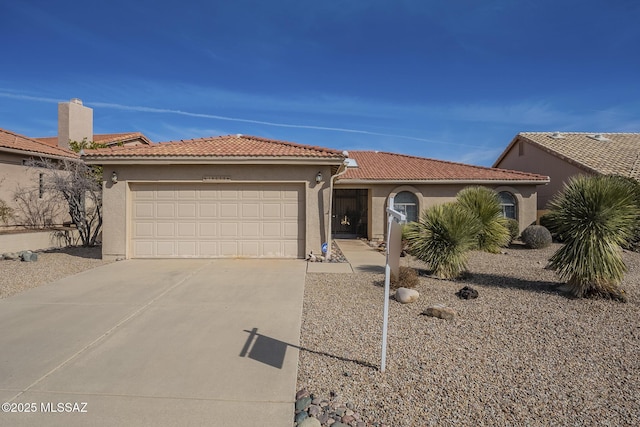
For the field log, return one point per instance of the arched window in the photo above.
(508, 203)
(407, 203)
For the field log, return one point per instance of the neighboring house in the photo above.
(561, 155)
(244, 196)
(15, 153)
(361, 194)
(109, 140)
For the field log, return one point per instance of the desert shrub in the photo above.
(514, 229)
(536, 237)
(484, 204)
(545, 221)
(442, 237)
(407, 278)
(595, 215)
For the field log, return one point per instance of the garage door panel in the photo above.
(207, 229)
(144, 229)
(187, 248)
(217, 220)
(165, 210)
(144, 210)
(207, 210)
(165, 248)
(187, 210)
(228, 210)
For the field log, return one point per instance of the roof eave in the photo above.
(445, 181)
(38, 154)
(172, 160)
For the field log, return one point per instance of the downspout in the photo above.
(341, 171)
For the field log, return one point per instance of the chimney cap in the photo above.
(76, 101)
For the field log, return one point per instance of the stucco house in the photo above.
(245, 196)
(561, 155)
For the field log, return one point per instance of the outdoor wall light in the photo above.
(114, 177)
(319, 178)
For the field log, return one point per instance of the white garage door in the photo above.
(217, 220)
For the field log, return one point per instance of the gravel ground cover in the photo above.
(522, 353)
(17, 276)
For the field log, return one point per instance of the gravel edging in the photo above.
(522, 353)
(17, 276)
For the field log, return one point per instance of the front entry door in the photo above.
(350, 216)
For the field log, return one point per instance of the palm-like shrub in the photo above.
(484, 204)
(442, 237)
(594, 215)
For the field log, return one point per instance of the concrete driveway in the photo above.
(157, 343)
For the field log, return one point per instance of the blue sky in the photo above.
(450, 79)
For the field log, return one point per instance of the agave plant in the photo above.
(484, 204)
(595, 216)
(442, 237)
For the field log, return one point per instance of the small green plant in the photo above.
(442, 237)
(514, 229)
(536, 237)
(407, 278)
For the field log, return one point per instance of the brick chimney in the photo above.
(75, 122)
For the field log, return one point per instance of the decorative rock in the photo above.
(11, 256)
(467, 293)
(440, 311)
(302, 393)
(314, 410)
(303, 403)
(310, 422)
(347, 419)
(301, 417)
(406, 296)
(34, 257)
(26, 256)
(339, 424)
(323, 418)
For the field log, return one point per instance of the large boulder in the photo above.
(406, 296)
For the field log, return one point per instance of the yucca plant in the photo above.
(595, 215)
(484, 204)
(442, 237)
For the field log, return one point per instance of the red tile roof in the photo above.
(380, 166)
(15, 141)
(107, 138)
(221, 146)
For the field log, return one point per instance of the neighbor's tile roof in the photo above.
(15, 141)
(375, 165)
(619, 155)
(107, 138)
(221, 146)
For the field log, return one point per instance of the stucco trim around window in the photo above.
(410, 189)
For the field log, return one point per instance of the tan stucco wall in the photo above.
(117, 197)
(433, 194)
(536, 160)
(13, 175)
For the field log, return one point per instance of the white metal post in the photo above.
(392, 215)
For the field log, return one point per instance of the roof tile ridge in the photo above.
(289, 143)
(485, 168)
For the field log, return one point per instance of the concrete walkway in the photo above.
(155, 343)
(361, 258)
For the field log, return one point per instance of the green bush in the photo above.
(536, 237)
(484, 204)
(408, 278)
(442, 237)
(514, 229)
(595, 215)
